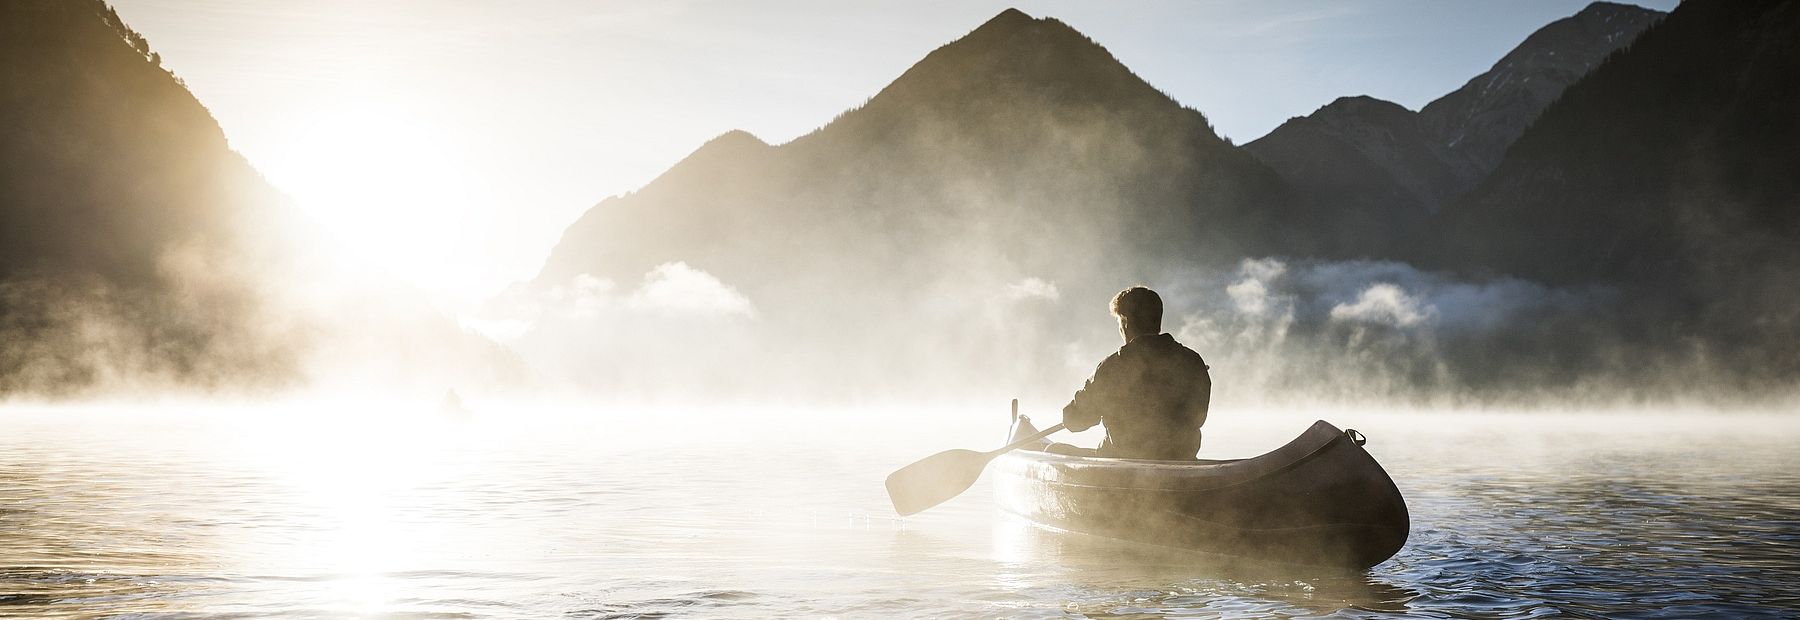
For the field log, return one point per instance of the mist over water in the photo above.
(691, 409)
(619, 513)
(1277, 331)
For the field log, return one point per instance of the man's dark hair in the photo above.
(1140, 307)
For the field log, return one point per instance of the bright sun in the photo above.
(385, 184)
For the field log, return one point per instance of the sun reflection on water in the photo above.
(358, 488)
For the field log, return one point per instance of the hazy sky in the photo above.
(452, 140)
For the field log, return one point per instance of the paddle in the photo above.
(939, 477)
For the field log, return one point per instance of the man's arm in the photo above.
(1201, 399)
(1090, 402)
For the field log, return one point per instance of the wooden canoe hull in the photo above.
(1320, 500)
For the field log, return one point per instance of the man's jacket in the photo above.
(1152, 395)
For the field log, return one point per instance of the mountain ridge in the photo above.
(969, 206)
(1368, 167)
(988, 78)
(1477, 122)
(124, 215)
(1373, 180)
(1666, 173)
(985, 164)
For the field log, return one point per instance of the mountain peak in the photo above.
(1364, 104)
(1015, 60)
(1013, 28)
(1347, 112)
(734, 139)
(1009, 18)
(1604, 9)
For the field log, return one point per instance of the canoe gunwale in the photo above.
(1194, 469)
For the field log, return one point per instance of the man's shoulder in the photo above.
(1186, 350)
(1113, 359)
(1163, 342)
(1158, 350)
(1174, 348)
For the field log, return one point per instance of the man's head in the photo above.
(1140, 312)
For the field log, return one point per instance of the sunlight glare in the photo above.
(357, 479)
(387, 185)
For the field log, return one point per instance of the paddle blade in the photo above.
(934, 479)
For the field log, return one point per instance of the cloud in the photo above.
(1262, 268)
(679, 328)
(1279, 328)
(675, 290)
(680, 289)
(1033, 288)
(1383, 304)
(585, 296)
(1250, 295)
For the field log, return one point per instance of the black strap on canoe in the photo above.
(1356, 436)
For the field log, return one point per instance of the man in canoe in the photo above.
(1151, 395)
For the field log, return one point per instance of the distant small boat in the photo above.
(1320, 500)
(452, 407)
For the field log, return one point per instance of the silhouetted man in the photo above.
(1151, 395)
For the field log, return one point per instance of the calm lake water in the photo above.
(284, 513)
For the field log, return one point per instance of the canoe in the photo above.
(1320, 500)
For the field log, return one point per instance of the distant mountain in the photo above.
(1022, 152)
(125, 219)
(965, 227)
(1369, 168)
(1476, 123)
(140, 254)
(1669, 171)
(1374, 171)
(1007, 137)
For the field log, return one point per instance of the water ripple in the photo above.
(221, 523)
